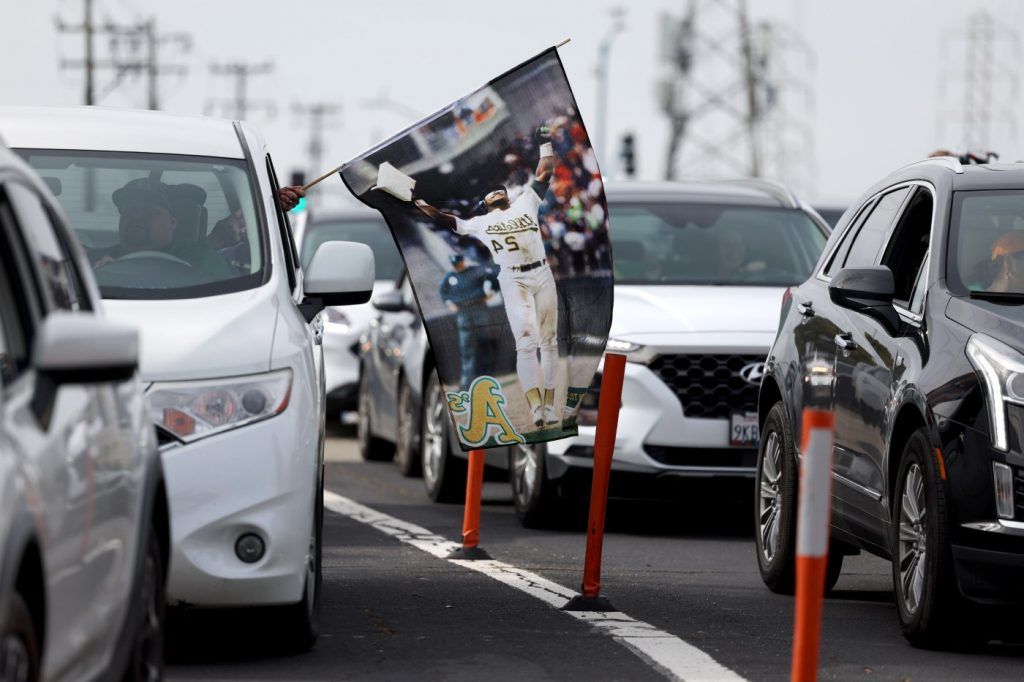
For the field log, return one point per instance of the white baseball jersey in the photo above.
(512, 235)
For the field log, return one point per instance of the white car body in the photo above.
(81, 486)
(263, 477)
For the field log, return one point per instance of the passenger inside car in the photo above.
(1008, 263)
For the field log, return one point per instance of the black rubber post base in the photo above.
(581, 603)
(470, 554)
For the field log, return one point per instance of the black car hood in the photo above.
(1003, 321)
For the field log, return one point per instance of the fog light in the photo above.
(1003, 477)
(250, 548)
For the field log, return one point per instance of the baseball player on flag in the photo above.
(511, 232)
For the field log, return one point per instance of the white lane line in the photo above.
(668, 654)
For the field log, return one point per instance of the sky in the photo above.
(886, 79)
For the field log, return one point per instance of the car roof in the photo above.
(354, 213)
(122, 130)
(750, 192)
(947, 171)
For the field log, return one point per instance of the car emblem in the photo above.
(753, 373)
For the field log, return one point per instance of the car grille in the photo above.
(1018, 493)
(709, 386)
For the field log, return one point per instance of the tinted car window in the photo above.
(906, 251)
(16, 297)
(51, 257)
(868, 242)
(677, 243)
(159, 226)
(986, 251)
(373, 232)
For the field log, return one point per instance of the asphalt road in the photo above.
(392, 611)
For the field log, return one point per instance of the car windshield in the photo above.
(986, 252)
(159, 226)
(710, 244)
(372, 231)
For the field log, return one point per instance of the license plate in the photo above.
(743, 431)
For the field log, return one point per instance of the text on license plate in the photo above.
(743, 430)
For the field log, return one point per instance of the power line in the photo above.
(241, 72)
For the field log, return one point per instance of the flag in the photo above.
(497, 206)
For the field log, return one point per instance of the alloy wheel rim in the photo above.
(14, 655)
(404, 426)
(769, 506)
(433, 436)
(913, 541)
(364, 419)
(524, 472)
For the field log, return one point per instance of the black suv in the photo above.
(911, 330)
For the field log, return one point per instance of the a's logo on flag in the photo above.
(497, 205)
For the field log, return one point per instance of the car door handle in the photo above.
(805, 309)
(846, 342)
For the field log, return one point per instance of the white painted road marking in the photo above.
(668, 654)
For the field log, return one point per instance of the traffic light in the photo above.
(628, 154)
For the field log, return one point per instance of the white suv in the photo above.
(700, 269)
(83, 512)
(180, 221)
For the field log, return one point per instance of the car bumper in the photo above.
(256, 479)
(655, 437)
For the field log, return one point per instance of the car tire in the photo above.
(371, 448)
(408, 460)
(302, 621)
(535, 497)
(834, 568)
(444, 474)
(19, 647)
(928, 601)
(775, 503)
(146, 662)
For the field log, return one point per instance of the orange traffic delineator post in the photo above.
(812, 538)
(471, 516)
(604, 445)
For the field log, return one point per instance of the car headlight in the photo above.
(196, 409)
(1001, 369)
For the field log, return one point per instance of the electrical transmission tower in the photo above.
(710, 91)
(134, 49)
(986, 75)
(316, 116)
(238, 107)
(786, 66)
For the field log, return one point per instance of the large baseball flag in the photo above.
(497, 206)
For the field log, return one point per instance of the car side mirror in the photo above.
(867, 290)
(80, 348)
(340, 273)
(391, 302)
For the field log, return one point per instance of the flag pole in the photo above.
(321, 178)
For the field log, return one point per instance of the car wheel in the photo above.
(775, 503)
(927, 598)
(370, 448)
(534, 496)
(19, 649)
(302, 620)
(147, 653)
(834, 568)
(444, 474)
(405, 451)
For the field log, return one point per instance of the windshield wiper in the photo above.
(998, 296)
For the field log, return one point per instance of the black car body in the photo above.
(896, 333)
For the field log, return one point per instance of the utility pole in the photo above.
(241, 72)
(710, 90)
(139, 38)
(988, 83)
(316, 116)
(603, 54)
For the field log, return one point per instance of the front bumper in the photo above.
(255, 479)
(655, 437)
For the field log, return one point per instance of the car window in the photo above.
(920, 288)
(158, 225)
(56, 268)
(907, 248)
(841, 249)
(372, 231)
(865, 246)
(18, 306)
(986, 242)
(690, 243)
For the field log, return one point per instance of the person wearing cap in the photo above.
(1007, 260)
(467, 289)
